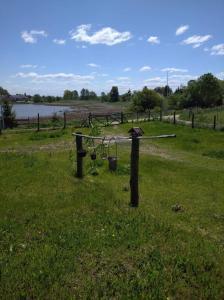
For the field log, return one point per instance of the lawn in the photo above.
(65, 238)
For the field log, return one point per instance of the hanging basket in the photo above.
(82, 153)
(93, 156)
(112, 160)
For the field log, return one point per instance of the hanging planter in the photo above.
(93, 156)
(82, 153)
(112, 159)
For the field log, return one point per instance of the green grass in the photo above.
(64, 238)
(206, 116)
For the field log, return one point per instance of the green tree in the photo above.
(37, 98)
(104, 97)
(68, 95)
(146, 99)
(114, 94)
(9, 115)
(75, 95)
(3, 92)
(126, 96)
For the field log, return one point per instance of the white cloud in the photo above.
(220, 75)
(28, 66)
(180, 30)
(145, 68)
(217, 49)
(123, 78)
(206, 49)
(31, 36)
(59, 41)
(197, 40)
(127, 69)
(172, 70)
(92, 65)
(155, 80)
(153, 40)
(107, 35)
(55, 76)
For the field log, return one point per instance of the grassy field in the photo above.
(64, 238)
(206, 116)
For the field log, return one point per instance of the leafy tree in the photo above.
(146, 99)
(114, 94)
(9, 116)
(3, 92)
(126, 96)
(210, 92)
(92, 95)
(37, 98)
(75, 95)
(84, 94)
(68, 95)
(163, 90)
(104, 97)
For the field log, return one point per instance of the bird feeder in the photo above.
(136, 131)
(82, 153)
(112, 159)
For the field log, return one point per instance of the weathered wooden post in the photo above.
(135, 133)
(122, 117)
(214, 122)
(64, 120)
(89, 119)
(149, 115)
(38, 122)
(79, 156)
(174, 118)
(161, 115)
(192, 121)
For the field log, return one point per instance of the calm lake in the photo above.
(31, 110)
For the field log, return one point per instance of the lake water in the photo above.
(31, 110)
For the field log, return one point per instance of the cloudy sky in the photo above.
(52, 45)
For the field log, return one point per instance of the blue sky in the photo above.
(49, 46)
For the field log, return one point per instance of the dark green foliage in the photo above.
(8, 115)
(146, 99)
(37, 98)
(114, 94)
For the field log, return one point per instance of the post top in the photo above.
(136, 131)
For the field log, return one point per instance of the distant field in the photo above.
(64, 238)
(206, 116)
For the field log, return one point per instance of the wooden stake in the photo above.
(192, 121)
(38, 122)
(134, 171)
(174, 118)
(79, 159)
(214, 123)
(64, 120)
(122, 117)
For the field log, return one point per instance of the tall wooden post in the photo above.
(79, 158)
(64, 120)
(192, 121)
(134, 169)
(161, 115)
(149, 115)
(122, 117)
(214, 123)
(38, 122)
(90, 119)
(174, 118)
(137, 116)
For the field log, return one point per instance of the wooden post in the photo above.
(79, 159)
(149, 115)
(137, 116)
(64, 120)
(161, 115)
(89, 119)
(134, 171)
(107, 120)
(174, 118)
(214, 123)
(192, 121)
(122, 117)
(38, 122)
